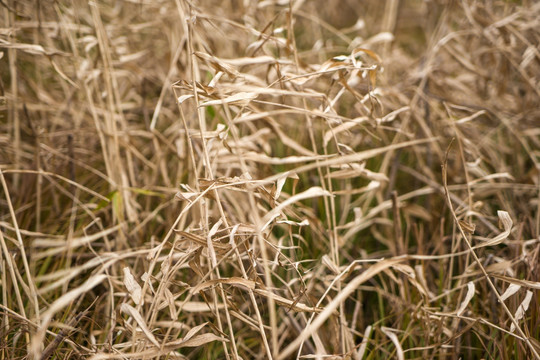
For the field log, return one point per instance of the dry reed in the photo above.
(269, 180)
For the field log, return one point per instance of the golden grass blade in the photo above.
(131, 311)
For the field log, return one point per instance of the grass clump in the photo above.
(269, 179)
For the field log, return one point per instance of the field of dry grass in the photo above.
(269, 179)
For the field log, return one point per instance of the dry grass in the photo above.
(273, 179)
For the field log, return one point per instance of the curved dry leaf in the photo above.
(199, 340)
(405, 269)
(503, 175)
(32, 49)
(293, 305)
(468, 297)
(210, 243)
(520, 312)
(132, 287)
(199, 306)
(74, 243)
(170, 301)
(524, 283)
(512, 289)
(59, 304)
(237, 281)
(472, 117)
(218, 64)
(280, 183)
(356, 171)
(330, 264)
(131, 311)
(315, 191)
(393, 337)
(391, 116)
(381, 37)
(258, 60)
(183, 98)
(372, 54)
(468, 227)
(194, 331)
(420, 275)
(67, 298)
(506, 221)
(241, 99)
(363, 345)
(265, 159)
(199, 240)
(418, 211)
(356, 157)
(304, 222)
(147, 279)
(329, 309)
(329, 134)
(186, 196)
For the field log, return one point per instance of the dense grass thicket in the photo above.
(315, 179)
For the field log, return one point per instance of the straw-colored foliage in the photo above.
(269, 179)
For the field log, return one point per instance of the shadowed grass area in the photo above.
(269, 180)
